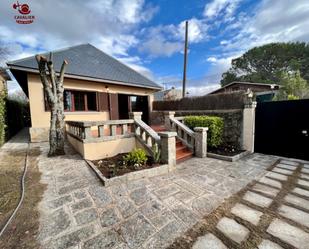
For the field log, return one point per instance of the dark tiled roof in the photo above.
(87, 61)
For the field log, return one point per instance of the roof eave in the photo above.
(79, 77)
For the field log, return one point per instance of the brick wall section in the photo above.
(233, 122)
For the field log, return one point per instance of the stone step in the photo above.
(182, 156)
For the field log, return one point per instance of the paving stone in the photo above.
(265, 189)
(289, 234)
(270, 182)
(118, 191)
(304, 176)
(289, 162)
(300, 202)
(184, 214)
(247, 213)
(86, 216)
(59, 202)
(267, 244)
(305, 170)
(136, 230)
(285, 166)
(282, 171)
(295, 215)
(185, 196)
(73, 238)
(257, 199)
(57, 222)
(301, 191)
(277, 176)
(162, 219)
(167, 191)
(208, 241)
(105, 240)
(100, 196)
(126, 207)
(82, 204)
(303, 182)
(141, 195)
(109, 217)
(151, 209)
(232, 229)
(140, 183)
(189, 187)
(165, 236)
(205, 204)
(72, 187)
(80, 194)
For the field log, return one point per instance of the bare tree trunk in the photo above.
(53, 88)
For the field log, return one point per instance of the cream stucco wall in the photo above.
(2, 83)
(101, 150)
(40, 118)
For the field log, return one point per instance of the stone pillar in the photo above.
(248, 130)
(168, 147)
(135, 115)
(200, 137)
(167, 116)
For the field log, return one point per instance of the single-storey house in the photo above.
(262, 91)
(97, 87)
(168, 94)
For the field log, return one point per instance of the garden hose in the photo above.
(22, 193)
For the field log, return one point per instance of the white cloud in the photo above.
(166, 40)
(225, 8)
(274, 21)
(110, 25)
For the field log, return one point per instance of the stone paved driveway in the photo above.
(272, 213)
(78, 212)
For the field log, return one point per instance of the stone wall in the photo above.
(233, 122)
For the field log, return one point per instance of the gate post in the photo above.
(248, 129)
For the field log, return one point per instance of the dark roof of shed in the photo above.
(85, 60)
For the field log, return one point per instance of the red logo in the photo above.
(24, 10)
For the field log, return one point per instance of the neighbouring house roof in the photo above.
(252, 84)
(89, 63)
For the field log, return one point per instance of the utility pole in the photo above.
(184, 79)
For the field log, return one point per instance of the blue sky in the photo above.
(148, 35)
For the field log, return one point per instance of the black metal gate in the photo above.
(282, 128)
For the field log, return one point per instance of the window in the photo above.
(80, 101)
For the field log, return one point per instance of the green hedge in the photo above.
(215, 127)
(2, 117)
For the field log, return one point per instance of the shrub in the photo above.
(2, 117)
(214, 124)
(136, 158)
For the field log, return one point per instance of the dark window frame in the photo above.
(85, 93)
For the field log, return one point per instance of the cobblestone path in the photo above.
(272, 212)
(77, 211)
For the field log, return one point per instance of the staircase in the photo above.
(182, 151)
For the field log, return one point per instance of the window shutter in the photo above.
(103, 101)
(114, 112)
(46, 105)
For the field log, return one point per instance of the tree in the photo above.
(266, 63)
(293, 86)
(53, 89)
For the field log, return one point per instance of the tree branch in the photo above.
(52, 73)
(62, 71)
(41, 60)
